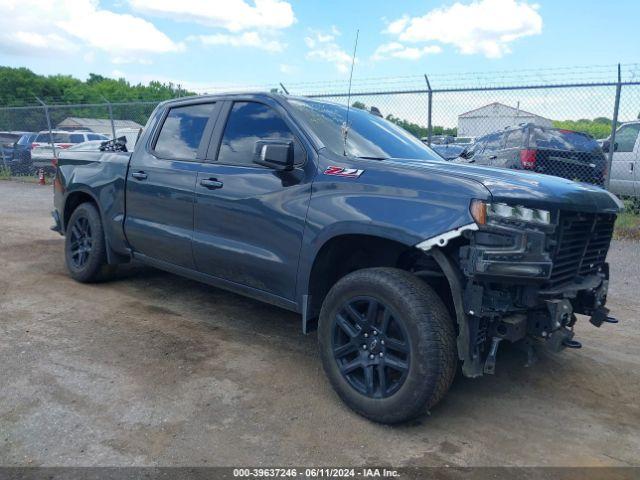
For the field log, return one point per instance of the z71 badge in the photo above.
(343, 172)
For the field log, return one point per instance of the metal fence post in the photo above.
(614, 127)
(113, 125)
(429, 110)
(46, 114)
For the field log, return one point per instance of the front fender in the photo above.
(401, 204)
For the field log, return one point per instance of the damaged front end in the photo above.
(524, 275)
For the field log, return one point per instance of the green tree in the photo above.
(421, 131)
(599, 127)
(20, 86)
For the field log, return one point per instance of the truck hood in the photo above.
(525, 188)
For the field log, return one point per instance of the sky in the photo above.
(209, 44)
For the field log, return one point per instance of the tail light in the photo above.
(34, 145)
(528, 159)
(64, 145)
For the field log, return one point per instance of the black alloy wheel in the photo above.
(81, 242)
(371, 347)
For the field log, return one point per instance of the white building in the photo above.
(494, 117)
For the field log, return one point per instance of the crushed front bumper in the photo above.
(508, 294)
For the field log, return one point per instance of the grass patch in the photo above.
(628, 223)
(6, 175)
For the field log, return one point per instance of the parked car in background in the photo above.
(22, 149)
(7, 143)
(16, 151)
(448, 151)
(625, 163)
(562, 153)
(42, 152)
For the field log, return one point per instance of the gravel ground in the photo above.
(153, 369)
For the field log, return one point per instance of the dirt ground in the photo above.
(153, 369)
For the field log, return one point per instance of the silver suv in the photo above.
(625, 165)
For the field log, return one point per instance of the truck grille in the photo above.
(582, 243)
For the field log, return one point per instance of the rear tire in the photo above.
(85, 250)
(393, 361)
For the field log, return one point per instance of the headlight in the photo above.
(484, 213)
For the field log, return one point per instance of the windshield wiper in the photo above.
(374, 158)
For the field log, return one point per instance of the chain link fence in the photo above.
(555, 127)
(562, 130)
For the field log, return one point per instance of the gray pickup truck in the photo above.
(406, 265)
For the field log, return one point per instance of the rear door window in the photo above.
(182, 131)
(76, 138)
(95, 136)
(556, 139)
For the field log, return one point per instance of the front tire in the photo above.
(387, 344)
(85, 252)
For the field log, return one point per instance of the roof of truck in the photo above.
(224, 95)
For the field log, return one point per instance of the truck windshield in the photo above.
(368, 136)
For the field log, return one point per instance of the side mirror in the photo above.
(274, 154)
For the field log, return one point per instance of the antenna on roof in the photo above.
(345, 125)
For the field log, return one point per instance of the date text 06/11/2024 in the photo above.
(315, 473)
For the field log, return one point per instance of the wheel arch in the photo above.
(343, 253)
(76, 198)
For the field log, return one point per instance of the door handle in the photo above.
(493, 157)
(139, 175)
(211, 183)
(631, 166)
